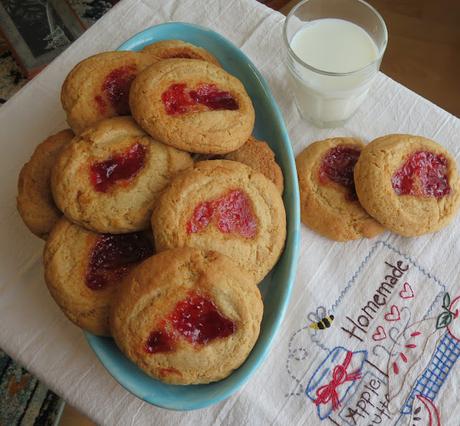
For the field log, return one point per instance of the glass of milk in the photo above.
(334, 50)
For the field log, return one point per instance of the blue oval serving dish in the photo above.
(276, 287)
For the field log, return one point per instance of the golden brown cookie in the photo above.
(224, 206)
(83, 269)
(108, 178)
(192, 105)
(98, 87)
(35, 202)
(328, 199)
(187, 316)
(410, 184)
(258, 155)
(168, 49)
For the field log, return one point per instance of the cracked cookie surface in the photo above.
(168, 49)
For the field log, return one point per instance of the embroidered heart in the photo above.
(394, 314)
(407, 292)
(379, 334)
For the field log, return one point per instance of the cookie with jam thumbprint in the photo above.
(168, 49)
(98, 87)
(35, 201)
(83, 269)
(187, 316)
(328, 200)
(410, 184)
(224, 206)
(192, 105)
(108, 179)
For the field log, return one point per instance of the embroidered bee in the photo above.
(319, 319)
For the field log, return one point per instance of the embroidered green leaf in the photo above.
(446, 301)
(444, 320)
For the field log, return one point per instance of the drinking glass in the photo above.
(330, 98)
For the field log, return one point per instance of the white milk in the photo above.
(335, 46)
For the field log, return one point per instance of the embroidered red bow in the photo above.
(328, 392)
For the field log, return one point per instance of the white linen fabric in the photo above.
(383, 356)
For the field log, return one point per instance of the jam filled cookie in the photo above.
(82, 270)
(187, 316)
(328, 200)
(408, 183)
(224, 206)
(168, 49)
(98, 87)
(259, 156)
(192, 105)
(35, 202)
(108, 178)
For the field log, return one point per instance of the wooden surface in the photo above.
(72, 417)
(423, 50)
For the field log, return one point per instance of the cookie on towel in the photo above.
(34, 201)
(328, 199)
(98, 87)
(83, 269)
(109, 177)
(408, 183)
(224, 206)
(168, 49)
(192, 105)
(187, 316)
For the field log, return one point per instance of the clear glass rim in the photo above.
(337, 74)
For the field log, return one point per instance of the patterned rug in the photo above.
(11, 76)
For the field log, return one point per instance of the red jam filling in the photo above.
(231, 213)
(423, 174)
(116, 89)
(159, 341)
(121, 167)
(198, 320)
(195, 318)
(113, 255)
(178, 99)
(338, 165)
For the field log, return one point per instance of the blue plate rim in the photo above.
(293, 232)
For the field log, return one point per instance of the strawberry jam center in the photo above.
(423, 174)
(120, 167)
(178, 99)
(198, 320)
(113, 255)
(159, 341)
(195, 318)
(338, 165)
(231, 213)
(116, 87)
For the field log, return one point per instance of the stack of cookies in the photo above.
(161, 213)
(406, 184)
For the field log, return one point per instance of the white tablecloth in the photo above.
(344, 278)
